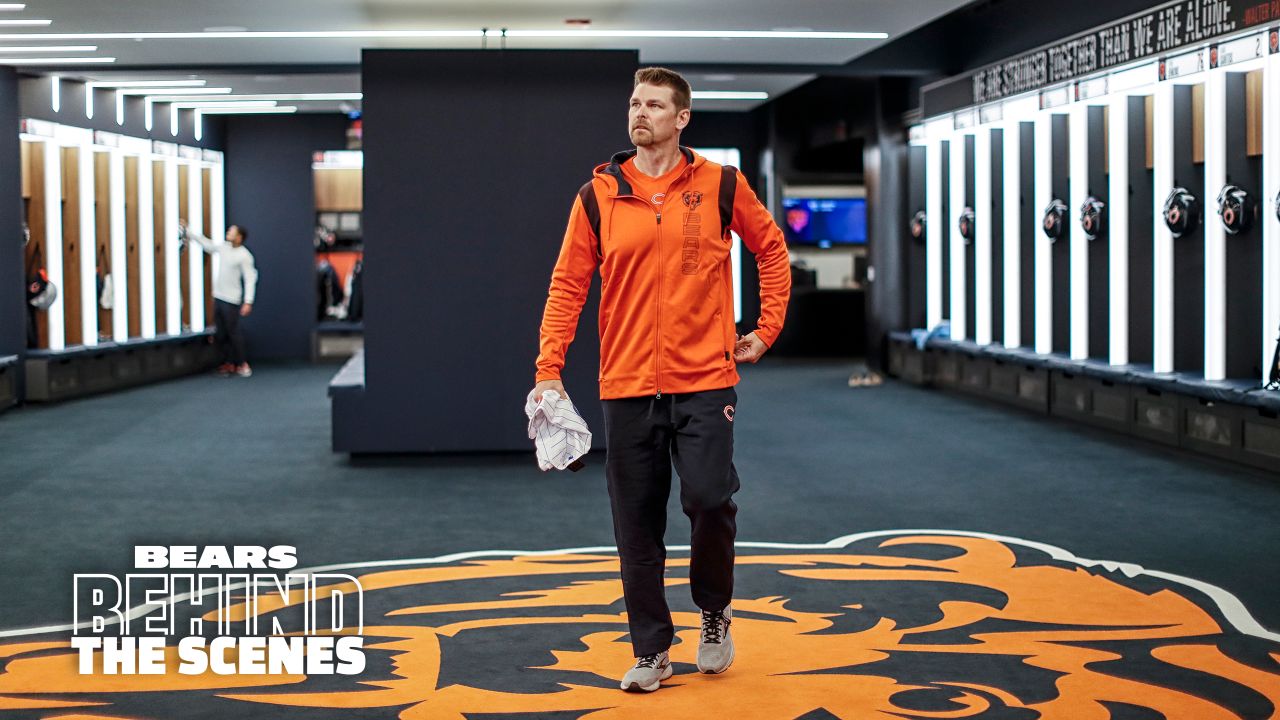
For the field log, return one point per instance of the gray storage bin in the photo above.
(975, 373)
(126, 367)
(1155, 414)
(96, 372)
(1260, 438)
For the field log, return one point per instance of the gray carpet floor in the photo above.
(207, 460)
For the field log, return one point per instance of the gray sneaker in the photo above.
(715, 644)
(648, 672)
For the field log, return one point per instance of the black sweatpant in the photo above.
(227, 333)
(645, 435)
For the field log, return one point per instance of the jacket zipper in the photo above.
(657, 329)
(657, 335)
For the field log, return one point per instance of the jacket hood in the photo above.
(613, 168)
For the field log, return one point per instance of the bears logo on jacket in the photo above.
(692, 199)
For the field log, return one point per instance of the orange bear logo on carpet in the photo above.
(892, 625)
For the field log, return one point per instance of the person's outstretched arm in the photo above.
(205, 243)
(570, 282)
(753, 222)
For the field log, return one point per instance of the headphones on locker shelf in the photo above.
(1236, 208)
(1093, 217)
(966, 225)
(918, 225)
(1054, 216)
(1181, 212)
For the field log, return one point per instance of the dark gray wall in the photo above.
(270, 192)
(13, 316)
(472, 161)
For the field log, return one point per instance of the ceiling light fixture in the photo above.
(48, 48)
(691, 34)
(144, 83)
(251, 35)
(227, 104)
(421, 34)
(282, 110)
(157, 90)
(55, 60)
(729, 95)
(151, 96)
(12, 7)
(289, 97)
(26, 22)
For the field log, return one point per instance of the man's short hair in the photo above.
(244, 233)
(680, 90)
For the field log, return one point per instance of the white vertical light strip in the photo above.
(119, 107)
(88, 246)
(1078, 182)
(1270, 223)
(218, 225)
(146, 241)
(959, 327)
(1118, 230)
(1013, 233)
(1043, 193)
(147, 114)
(933, 227)
(195, 258)
(119, 258)
(173, 120)
(1215, 236)
(1162, 250)
(172, 265)
(55, 93)
(56, 314)
(983, 208)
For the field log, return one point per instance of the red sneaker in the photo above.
(226, 369)
(243, 370)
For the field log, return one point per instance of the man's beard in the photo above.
(642, 137)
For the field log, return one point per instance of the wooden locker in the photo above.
(1253, 113)
(131, 249)
(158, 242)
(184, 260)
(71, 246)
(339, 189)
(205, 175)
(36, 250)
(102, 223)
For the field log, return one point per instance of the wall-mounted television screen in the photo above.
(824, 222)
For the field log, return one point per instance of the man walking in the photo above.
(656, 222)
(233, 294)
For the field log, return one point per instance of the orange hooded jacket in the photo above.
(666, 294)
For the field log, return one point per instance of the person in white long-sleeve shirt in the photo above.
(234, 287)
